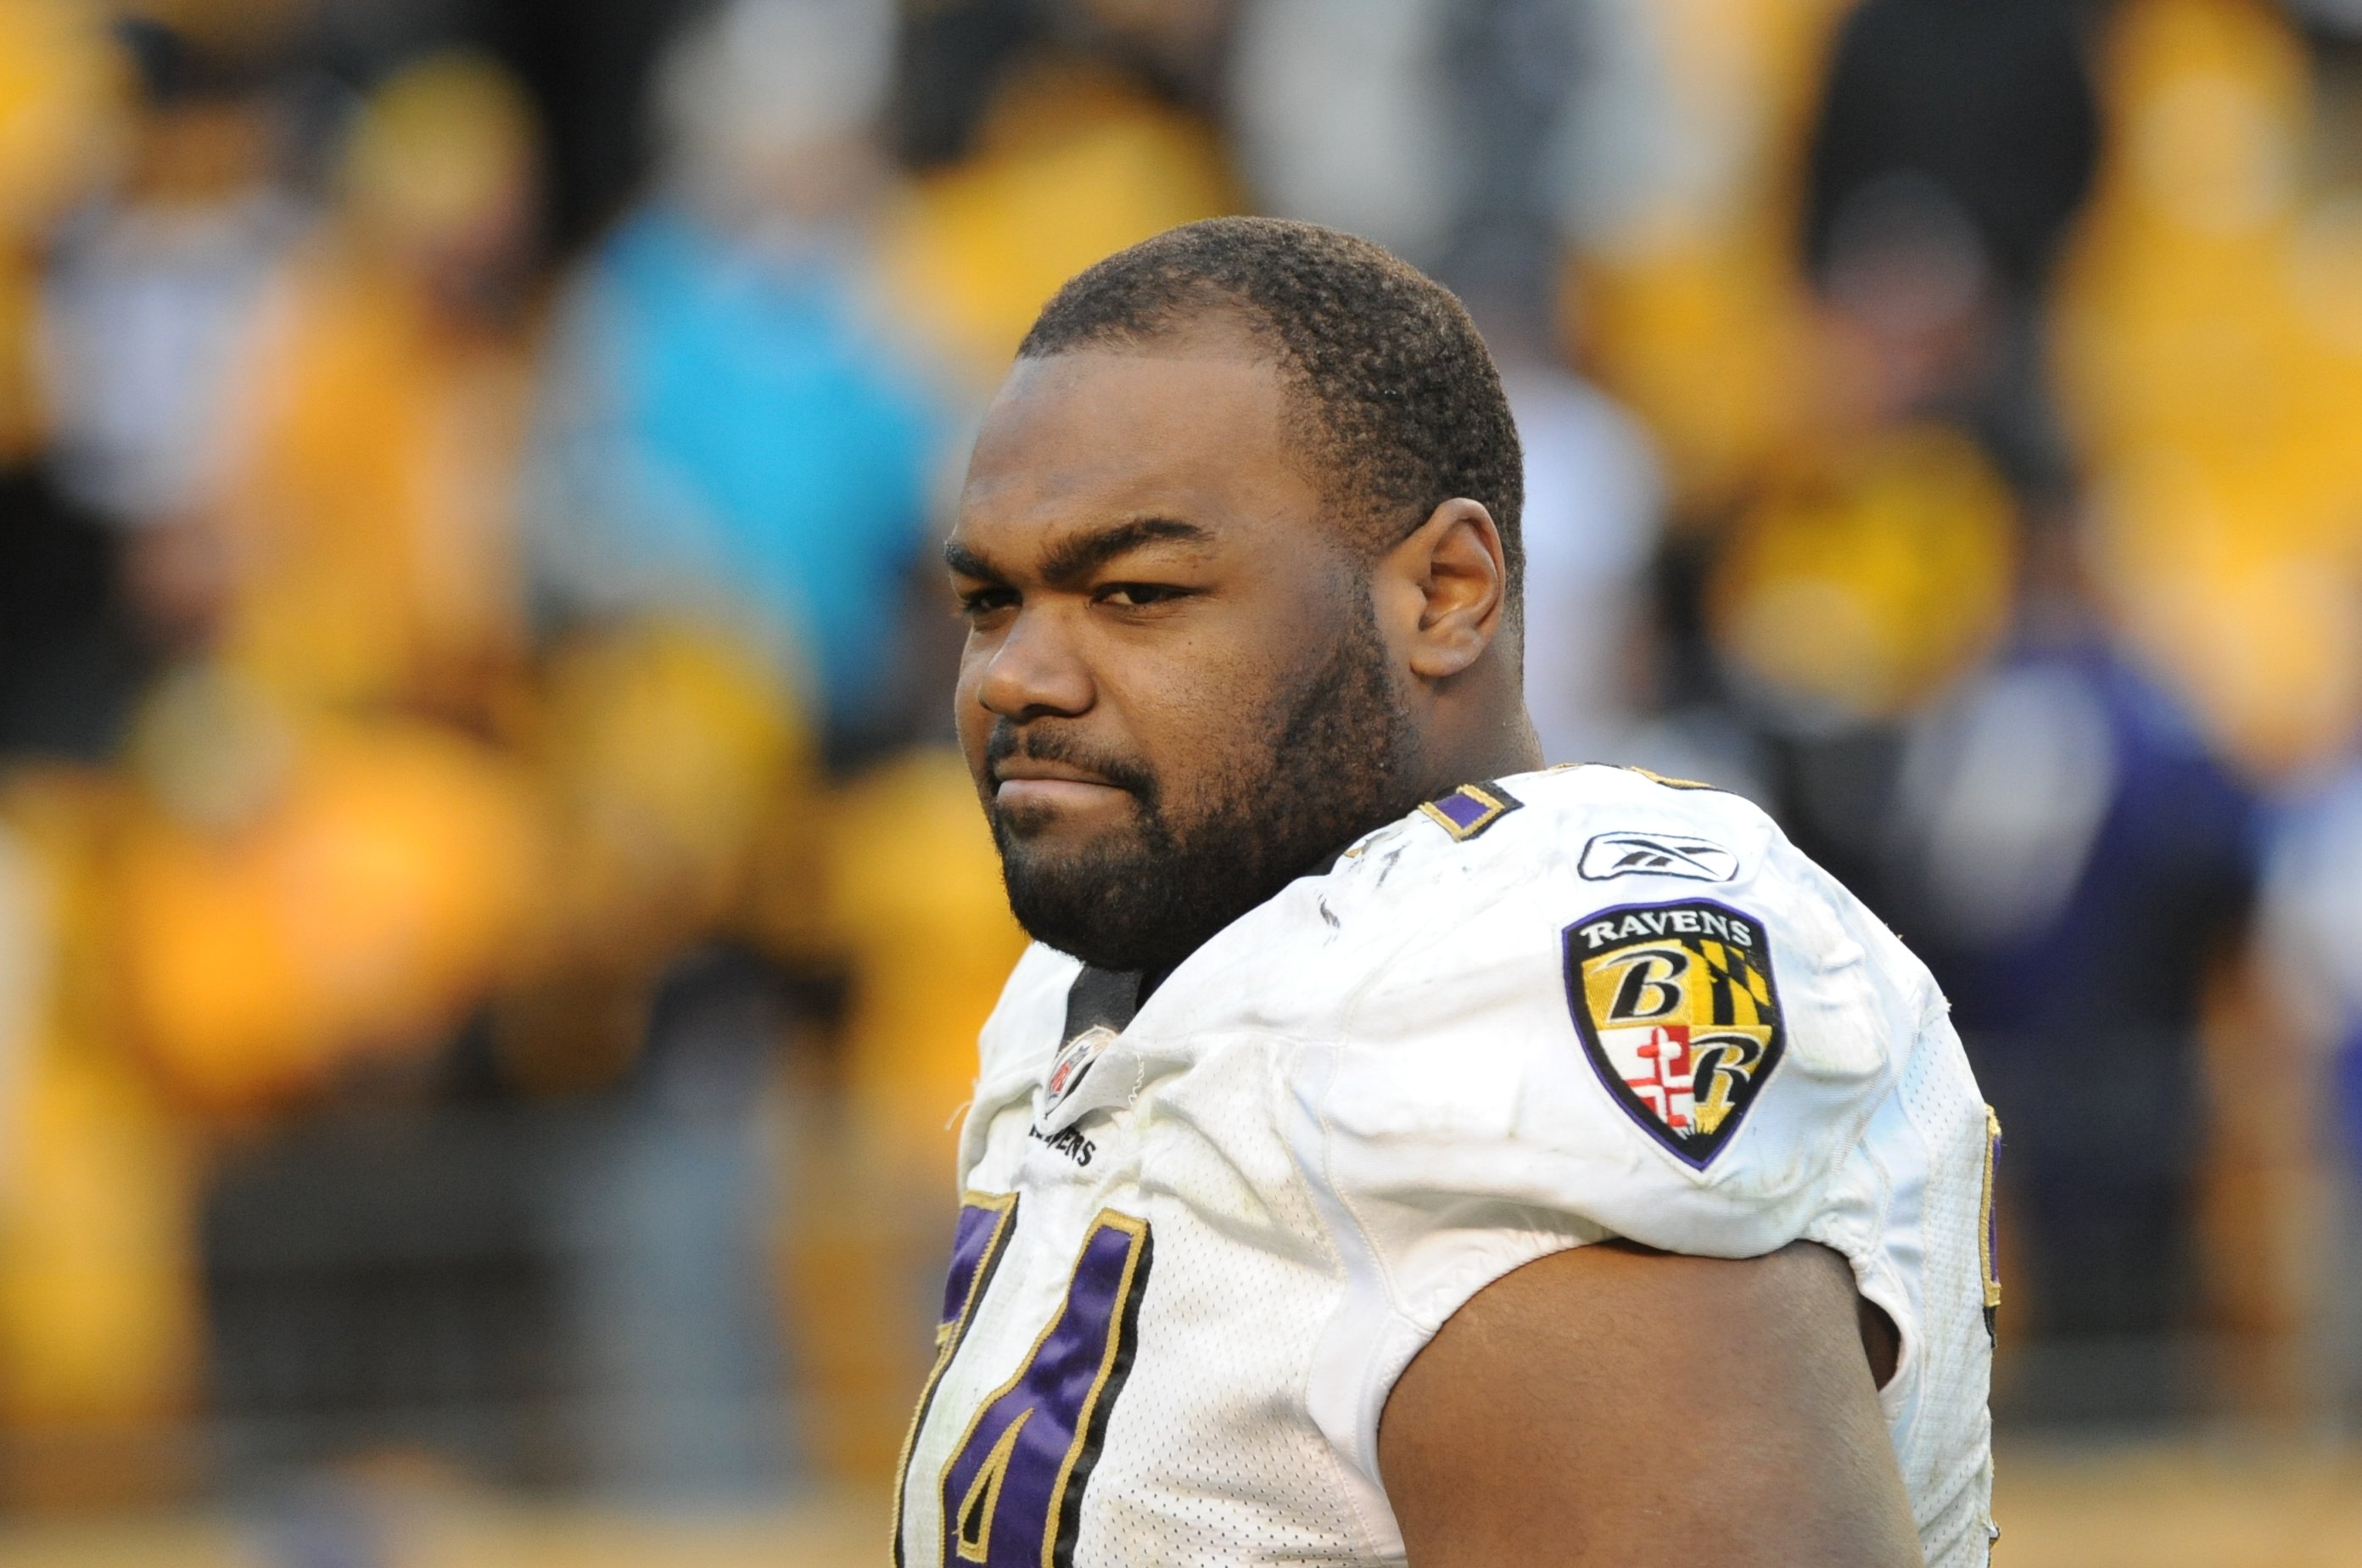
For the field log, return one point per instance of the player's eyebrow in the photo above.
(967, 563)
(1078, 555)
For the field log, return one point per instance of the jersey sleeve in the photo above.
(1641, 1014)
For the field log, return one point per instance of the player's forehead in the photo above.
(1193, 430)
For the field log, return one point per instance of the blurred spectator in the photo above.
(152, 292)
(1473, 138)
(2210, 365)
(727, 427)
(2079, 868)
(365, 514)
(678, 789)
(730, 495)
(1075, 157)
(1692, 307)
(1955, 144)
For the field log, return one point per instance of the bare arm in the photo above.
(1615, 1407)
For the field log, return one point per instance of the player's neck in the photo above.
(1488, 745)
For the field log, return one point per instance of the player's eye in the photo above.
(1140, 595)
(975, 603)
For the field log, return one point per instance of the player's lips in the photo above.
(1029, 782)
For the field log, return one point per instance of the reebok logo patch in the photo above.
(1612, 854)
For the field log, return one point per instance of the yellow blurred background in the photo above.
(492, 928)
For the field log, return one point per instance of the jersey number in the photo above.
(1011, 1496)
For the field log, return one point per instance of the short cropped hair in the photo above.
(1397, 398)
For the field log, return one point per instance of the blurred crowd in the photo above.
(491, 926)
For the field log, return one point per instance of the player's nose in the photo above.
(1035, 672)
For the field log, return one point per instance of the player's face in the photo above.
(1175, 696)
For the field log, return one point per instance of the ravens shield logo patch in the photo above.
(1678, 1013)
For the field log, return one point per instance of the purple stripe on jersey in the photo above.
(970, 1241)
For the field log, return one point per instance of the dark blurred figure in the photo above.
(1956, 141)
(2079, 866)
(586, 64)
(2083, 863)
(70, 659)
(1954, 145)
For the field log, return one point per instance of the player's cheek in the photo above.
(1207, 726)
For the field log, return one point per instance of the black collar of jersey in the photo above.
(1108, 998)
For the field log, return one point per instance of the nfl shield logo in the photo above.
(1073, 1061)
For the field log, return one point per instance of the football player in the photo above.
(1393, 1149)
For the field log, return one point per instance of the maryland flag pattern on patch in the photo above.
(1678, 1013)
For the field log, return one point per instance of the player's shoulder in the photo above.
(1633, 996)
(1608, 823)
(1539, 847)
(1579, 865)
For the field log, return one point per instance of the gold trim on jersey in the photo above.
(1987, 1267)
(1671, 783)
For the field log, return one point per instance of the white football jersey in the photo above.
(1195, 1250)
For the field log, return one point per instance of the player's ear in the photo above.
(1442, 589)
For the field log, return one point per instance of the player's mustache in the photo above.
(1042, 744)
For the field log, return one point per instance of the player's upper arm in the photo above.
(1615, 1407)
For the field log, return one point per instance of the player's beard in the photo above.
(1336, 762)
